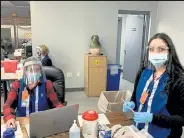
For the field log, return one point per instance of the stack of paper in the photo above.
(102, 119)
(18, 132)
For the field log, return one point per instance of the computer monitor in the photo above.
(28, 51)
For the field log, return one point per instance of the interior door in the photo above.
(133, 46)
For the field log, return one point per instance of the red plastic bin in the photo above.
(10, 66)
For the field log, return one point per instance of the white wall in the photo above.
(22, 30)
(171, 21)
(66, 28)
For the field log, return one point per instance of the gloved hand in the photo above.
(9, 133)
(143, 117)
(127, 106)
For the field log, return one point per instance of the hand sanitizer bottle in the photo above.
(74, 131)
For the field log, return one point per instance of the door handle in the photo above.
(125, 51)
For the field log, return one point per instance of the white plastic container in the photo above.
(119, 131)
(74, 131)
(90, 124)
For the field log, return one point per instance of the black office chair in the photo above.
(56, 75)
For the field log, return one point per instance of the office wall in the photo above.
(170, 20)
(66, 28)
(22, 31)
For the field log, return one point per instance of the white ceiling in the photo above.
(9, 4)
(22, 8)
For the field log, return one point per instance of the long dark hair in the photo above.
(174, 67)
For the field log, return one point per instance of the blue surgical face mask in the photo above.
(158, 60)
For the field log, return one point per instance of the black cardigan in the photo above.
(175, 107)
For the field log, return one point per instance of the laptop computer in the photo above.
(53, 121)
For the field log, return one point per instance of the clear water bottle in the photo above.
(74, 131)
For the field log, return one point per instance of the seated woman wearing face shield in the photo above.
(158, 96)
(42, 54)
(30, 94)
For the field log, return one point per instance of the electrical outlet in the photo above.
(69, 74)
(78, 74)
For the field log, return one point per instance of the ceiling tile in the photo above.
(20, 3)
(6, 4)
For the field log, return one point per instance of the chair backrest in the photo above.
(56, 76)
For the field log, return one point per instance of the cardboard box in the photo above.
(112, 101)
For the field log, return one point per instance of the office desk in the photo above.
(114, 118)
(22, 122)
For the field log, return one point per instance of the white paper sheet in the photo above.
(102, 119)
(113, 70)
(27, 129)
(18, 133)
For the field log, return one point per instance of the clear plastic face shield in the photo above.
(38, 52)
(32, 72)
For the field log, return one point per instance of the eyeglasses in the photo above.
(159, 48)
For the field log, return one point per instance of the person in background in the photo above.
(30, 94)
(4, 56)
(158, 96)
(2, 53)
(42, 54)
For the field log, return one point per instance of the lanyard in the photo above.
(152, 83)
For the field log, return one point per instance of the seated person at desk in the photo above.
(30, 94)
(4, 54)
(42, 53)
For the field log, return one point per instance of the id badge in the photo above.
(144, 97)
(25, 97)
(24, 103)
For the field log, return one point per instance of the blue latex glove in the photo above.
(143, 117)
(9, 133)
(127, 106)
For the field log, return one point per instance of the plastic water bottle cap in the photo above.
(74, 123)
(90, 115)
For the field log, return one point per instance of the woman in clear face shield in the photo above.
(42, 54)
(30, 94)
(158, 96)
